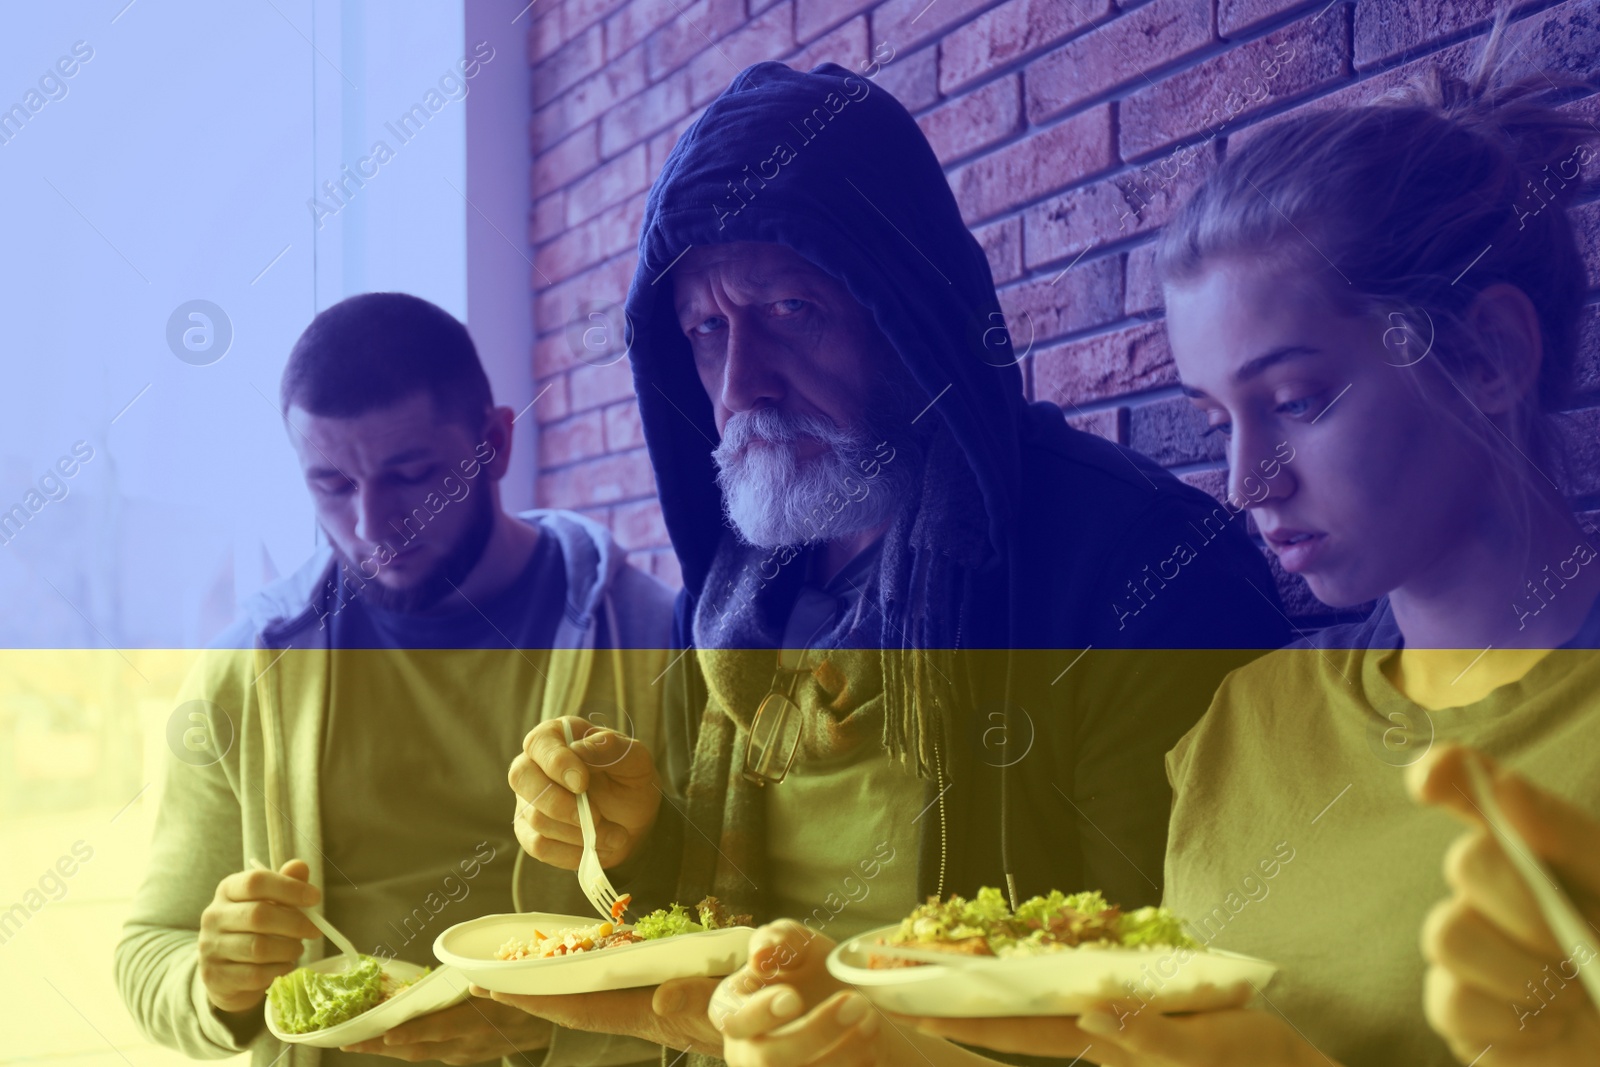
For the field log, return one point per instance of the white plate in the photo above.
(470, 948)
(1061, 983)
(440, 989)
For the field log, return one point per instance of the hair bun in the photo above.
(1521, 116)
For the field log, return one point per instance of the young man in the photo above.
(365, 707)
(822, 365)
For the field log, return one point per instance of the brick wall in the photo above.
(1058, 122)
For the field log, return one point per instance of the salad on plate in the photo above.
(986, 926)
(306, 1000)
(709, 914)
(1056, 954)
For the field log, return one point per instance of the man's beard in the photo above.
(449, 573)
(862, 479)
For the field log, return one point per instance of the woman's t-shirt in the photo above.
(1293, 838)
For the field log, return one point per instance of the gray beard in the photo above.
(772, 499)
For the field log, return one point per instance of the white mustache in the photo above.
(769, 425)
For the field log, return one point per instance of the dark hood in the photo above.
(835, 168)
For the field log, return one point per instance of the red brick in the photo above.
(1002, 244)
(1384, 30)
(1586, 366)
(812, 17)
(1588, 110)
(975, 120)
(1565, 39)
(1129, 360)
(643, 114)
(608, 186)
(567, 65)
(547, 126)
(1141, 288)
(547, 218)
(1302, 58)
(1453, 60)
(1111, 210)
(603, 480)
(1237, 17)
(552, 403)
(554, 305)
(664, 565)
(907, 23)
(624, 430)
(911, 78)
(557, 166)
(1562, 38)
(570, 440)
(1122, 50)
(595, 95)
(1584, 435)
(578, 15)
(593, 386)
(1213, 482)
(845, 45)
(552, 352)
(585, 245)
(1009, 32)
(699, 27)
(1025, 170)
(635, 21)
(544, 35)
(770, 35)
(1110, 423)
(600, 515)
(1170, 432)
(1043, 309)
(640, 525)
(1586, 228)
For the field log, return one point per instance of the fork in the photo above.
(1564, 919)
(591, 878)
(328, 929)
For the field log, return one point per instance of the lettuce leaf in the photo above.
(1055, 920)
(1154, 926)
(669, 922)
(666, 922)
(305, 1000)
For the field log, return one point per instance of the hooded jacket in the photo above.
(1083, 535)
(270, 673)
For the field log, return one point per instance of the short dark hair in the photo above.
(376, 349)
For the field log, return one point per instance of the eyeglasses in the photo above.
(774, 736)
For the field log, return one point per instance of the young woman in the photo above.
(1378, 309)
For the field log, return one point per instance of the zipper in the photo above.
(938, 770)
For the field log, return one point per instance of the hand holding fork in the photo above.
(1514, 977)
(588, 796)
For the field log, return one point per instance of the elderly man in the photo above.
(989, 622)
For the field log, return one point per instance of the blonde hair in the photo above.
(1416, 202)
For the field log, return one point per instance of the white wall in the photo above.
(499, 261)
(179, 165)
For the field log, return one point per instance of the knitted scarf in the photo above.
(865, 678)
